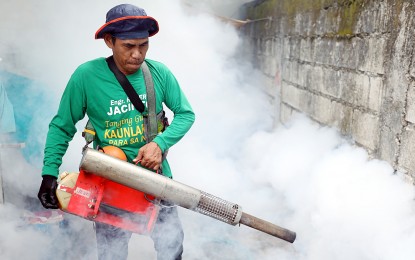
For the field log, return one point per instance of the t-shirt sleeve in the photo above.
(184, 116)
(62, 128)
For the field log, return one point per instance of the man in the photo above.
(94, 90)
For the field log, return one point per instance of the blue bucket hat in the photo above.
(127, 21)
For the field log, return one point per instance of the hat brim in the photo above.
(129, 27)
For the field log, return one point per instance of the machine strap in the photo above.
(150, 119)
(126, 85)
(88, 133)
(152, 128)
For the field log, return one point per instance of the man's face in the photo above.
(128, 54)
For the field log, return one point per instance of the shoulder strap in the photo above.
(151, 103)
(126, 85)
(151, 124)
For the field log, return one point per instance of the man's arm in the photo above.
(62, 127)
(150, 155)
(61, 131)
(184, 116)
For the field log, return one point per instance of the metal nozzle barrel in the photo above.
(178, 193)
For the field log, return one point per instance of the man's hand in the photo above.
(149, 156)
(47, 192)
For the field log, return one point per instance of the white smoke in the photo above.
(304, 177)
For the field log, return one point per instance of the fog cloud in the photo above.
(301, 176)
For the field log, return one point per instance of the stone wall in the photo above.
(345, 63)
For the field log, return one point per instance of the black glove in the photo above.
(47, 192)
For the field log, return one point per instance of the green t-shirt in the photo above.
(94, 90)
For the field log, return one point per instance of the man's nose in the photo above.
(136, 54)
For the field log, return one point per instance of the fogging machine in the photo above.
(121, 194)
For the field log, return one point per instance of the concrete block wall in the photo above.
(349, 64)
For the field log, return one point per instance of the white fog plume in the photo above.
(301, 176)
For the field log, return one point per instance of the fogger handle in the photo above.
(267, 227)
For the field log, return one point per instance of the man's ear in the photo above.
(108, 40)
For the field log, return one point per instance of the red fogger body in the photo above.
(180, 194)
(95, 198)
(113, 191)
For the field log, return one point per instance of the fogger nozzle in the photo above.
(178, 193)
